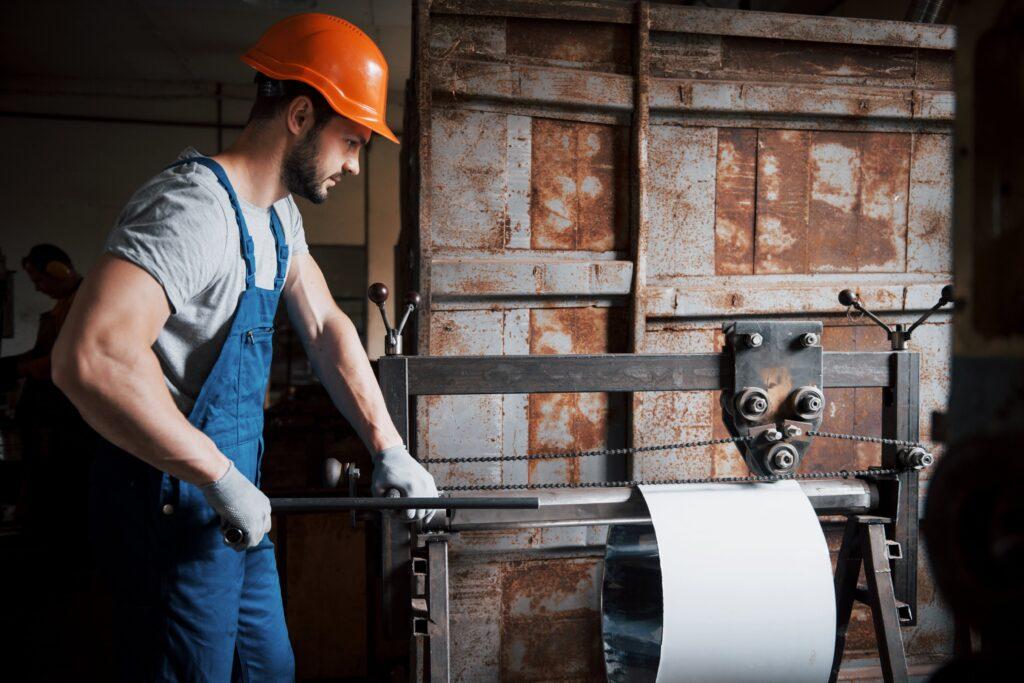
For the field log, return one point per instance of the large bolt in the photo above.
(916, 457)
(782, 457)
(809, 339)
(808, 402)
(756, 405)
(753, 340)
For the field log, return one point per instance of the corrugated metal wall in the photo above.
(773, 160)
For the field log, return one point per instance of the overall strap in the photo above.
(282, 249)
(248, 248)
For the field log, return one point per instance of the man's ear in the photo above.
(299, 115)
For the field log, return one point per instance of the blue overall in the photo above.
(188, 607)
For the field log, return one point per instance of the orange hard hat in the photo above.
(334, 57)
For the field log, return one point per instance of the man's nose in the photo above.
(351, 166)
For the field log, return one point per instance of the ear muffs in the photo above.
(58, 270)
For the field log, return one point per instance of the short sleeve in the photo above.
(176, 230)
(297, 233)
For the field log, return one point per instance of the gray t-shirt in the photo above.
(181, 229)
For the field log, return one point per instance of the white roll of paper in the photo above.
(746, 587)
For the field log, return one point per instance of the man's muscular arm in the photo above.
(337, 354)
(104, 361)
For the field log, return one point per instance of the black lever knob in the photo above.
(848, 297)
(413, 299)
(378, 293)
(947, 295)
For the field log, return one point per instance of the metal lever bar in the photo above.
(898, 335)
(331, 504)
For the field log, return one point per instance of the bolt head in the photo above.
(773, 435)
(809, 340)
(792, 431)
(754, 340)
(783, 459)
(757, 405)
(810, 404)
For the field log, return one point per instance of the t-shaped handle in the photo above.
(897, 335)
(378, 293)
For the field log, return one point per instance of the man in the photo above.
(51, 428)
(167, 350)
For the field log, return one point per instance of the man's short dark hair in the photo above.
(274, 96)
(42, 255)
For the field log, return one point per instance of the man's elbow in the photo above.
(69, 367)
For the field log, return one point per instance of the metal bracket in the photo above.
(776, 395)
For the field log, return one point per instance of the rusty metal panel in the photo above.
(551, 625)
(929, 221)
(857, 206)
(577, 421)
(786, 158)
(468, 182)
(588, 45)
(681, 202)
(735, 184)
(579, 185)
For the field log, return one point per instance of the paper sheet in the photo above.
(747, 592)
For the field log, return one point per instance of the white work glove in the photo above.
(394, 468)
(241, 506)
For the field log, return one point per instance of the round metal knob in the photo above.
(848, 297)
(947, 294)
(378, 293)
(413, 299)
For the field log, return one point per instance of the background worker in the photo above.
(167, 353)
(52, 432)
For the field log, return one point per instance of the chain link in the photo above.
(753, 478)
(588, 454)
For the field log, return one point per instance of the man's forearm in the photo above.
(340, 362)
(122, 395)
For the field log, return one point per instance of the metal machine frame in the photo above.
(414, 562)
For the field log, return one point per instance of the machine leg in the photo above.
(847, 572)
(864, 544)
(437, 606)
(883, 602)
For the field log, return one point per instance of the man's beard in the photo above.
(299, 172)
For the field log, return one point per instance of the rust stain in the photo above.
(734, 201)
(801, 61)
(572, 421)
(579, 186)
(781, 210)
(594, 45)
(550, 621)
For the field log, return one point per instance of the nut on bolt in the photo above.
(773, 435)
(916, 457)
(752, 403)
(808, 402)
(792, 431)
(809, 339)
(782, 457)
(753, 340)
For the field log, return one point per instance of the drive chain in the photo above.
(753, 478)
